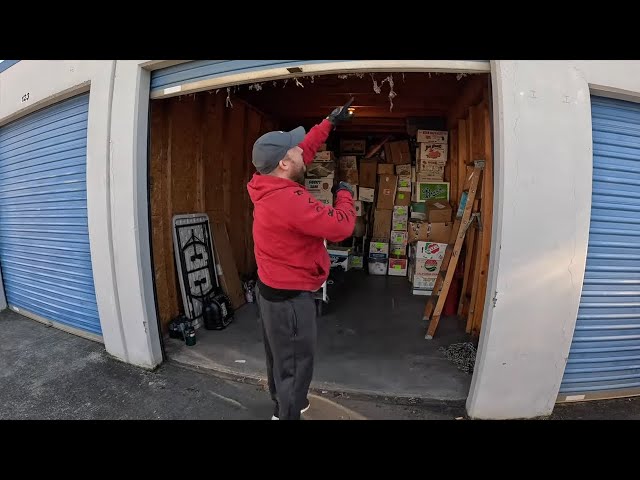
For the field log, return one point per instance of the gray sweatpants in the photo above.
(289, 334)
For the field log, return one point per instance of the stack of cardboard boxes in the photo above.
(430, 221)
(388, 248)
(321, 175)
(363, 181)
(406, 203)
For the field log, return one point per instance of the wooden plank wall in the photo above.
(470, 127)
(200, 161)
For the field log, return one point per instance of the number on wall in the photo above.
(25, 97)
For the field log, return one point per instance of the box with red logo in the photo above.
(427, 258)
(433, 152)
(432, 136)
(398, 266)
(430, 250)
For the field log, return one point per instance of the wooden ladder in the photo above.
(435, 303)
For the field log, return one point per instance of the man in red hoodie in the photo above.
(289, 229)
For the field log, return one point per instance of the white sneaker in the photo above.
(274, 417)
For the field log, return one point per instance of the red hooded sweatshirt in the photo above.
(290, 225)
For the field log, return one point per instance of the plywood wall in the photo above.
(471, 132)
(200, 161)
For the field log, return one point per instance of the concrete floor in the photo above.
(370, 341)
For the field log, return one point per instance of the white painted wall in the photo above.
(124, 322)
(543, 153)
(541, 215)
(129, 212)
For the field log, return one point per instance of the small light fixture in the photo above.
(351, 110)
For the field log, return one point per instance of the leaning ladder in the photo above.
(464, 218)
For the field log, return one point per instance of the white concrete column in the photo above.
(98, 207)
(129, 215)
(3, 299)
(543, 164)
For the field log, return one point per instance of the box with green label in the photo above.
(356, 262)
(398, 266)
(404, 183)
(403, 199)
(400, 219)
(398, 243)
(427, 191)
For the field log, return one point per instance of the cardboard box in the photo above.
(382, 224)
(403, 199)
(397, 152)
(368, 172)
(426, 293)
(430, 250)
(404, 183)
(400, 218)
(429, 232)
(353, 147)
(398, 266)
(430, 170)
(378, 250)
(425, 177)
(349, 169)
(418, 211)
(378, 258)
(429, 165)
(321, 170)
(387, 191)
(385, 169)
(339, 257)
(427, 261)
(356, 262)
(399, 237)
(425, 191)
(432, 151)
(377, 266)
(358, 205)
(438, 212)
(398, 243)
(322, 147)
(366, 194)
(440, 232)
(324, 156)
(432, 136)
(423, 284)
(403, 169)
(320, 188)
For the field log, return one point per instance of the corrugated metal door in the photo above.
(196, 71)
(44, 238)
(604, 359)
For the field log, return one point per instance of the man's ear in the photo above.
(283, 164)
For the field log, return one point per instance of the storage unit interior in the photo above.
(371, 335)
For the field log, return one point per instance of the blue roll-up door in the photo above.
(189, 72)
(604, 359)
(44, 238)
